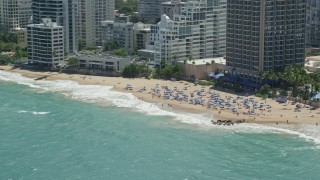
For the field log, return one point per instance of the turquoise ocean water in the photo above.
(62, 130)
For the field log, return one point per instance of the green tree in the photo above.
(130, 71)
(72, 62)
(120, 52)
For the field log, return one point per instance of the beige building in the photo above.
(90, 15)
(15, 13)
(200, 69)
(22, 36)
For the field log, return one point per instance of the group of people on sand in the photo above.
(251, 107)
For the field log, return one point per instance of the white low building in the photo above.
(312, 64)
(103, 62)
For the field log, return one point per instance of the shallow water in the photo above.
(62, 130)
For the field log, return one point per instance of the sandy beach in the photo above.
(186, 97)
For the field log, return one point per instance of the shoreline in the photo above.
(279, 113)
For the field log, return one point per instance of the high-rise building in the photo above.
(90, 15)
(265, 34)
(149, 10)
(170, 8)
(63, 12)
(313, 23)
(119, 31)
(45, 44)
(198, 32)
(15, 13)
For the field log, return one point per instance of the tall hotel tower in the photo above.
(265, 34)
(313, 23)
(63, 12)
(90, 15)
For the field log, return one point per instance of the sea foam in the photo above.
(104, 94)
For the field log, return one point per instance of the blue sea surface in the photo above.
(52, 135)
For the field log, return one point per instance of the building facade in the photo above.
(90, 15)
(149, 10)
(103, 62)
(265, 34)
(198, 32)
(63, 12)
(313, 23)
(170, 8)
(141, 35)
(15, 14)
(127, 35)
(119, 31)
(45, 44)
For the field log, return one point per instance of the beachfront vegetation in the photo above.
(9, 43)
(72, 62)
(134, 70)
(291, 81)
(167, 72)
(206, 83)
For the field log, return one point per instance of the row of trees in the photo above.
(292, 79)
(167, 72)
(134, 70)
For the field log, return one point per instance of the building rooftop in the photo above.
(313, 58)
(101, 57)
(217, 60)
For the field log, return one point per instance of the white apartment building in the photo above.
(90, 15)
(15, 13)
(45, 44)
(198, 32)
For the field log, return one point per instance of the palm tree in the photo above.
(212, 63)
(233, 70)
(190, 59)
(261, 76)
(194, 66)
(174, 59)
(207, 64)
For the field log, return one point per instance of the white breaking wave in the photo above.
(40, 113)
(104, 94)
(33, 112)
